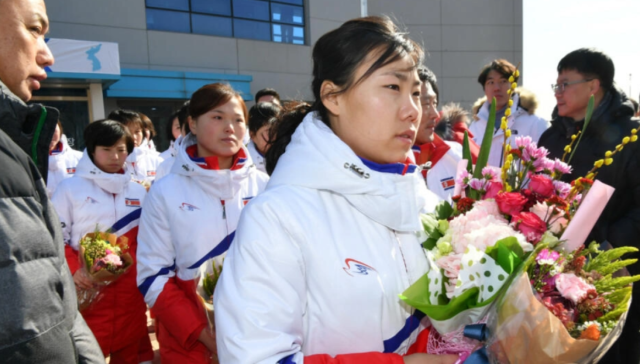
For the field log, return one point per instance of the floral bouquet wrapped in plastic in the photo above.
(477, 246)
(104, 258)
(563, 308)
(209, 276)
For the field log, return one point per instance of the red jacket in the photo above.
(458, 136)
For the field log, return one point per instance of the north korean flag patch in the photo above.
(448, 183)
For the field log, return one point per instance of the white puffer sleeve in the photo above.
(260, 298)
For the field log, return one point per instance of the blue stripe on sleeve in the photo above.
(412, 323)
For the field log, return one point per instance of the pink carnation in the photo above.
(482, 227)
(450, 264)
(561, 167)
(112, 259)
(493, 189)
(572, 287)
(562, 189)
(478, 184)
(544, 164)
(523, 142)
(531, 152)
(491, 174)
(551, 215)
(463, 179)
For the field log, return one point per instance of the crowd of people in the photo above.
(311, 209)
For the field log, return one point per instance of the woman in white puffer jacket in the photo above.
(62, 160)
(320, 257)
(190, 217)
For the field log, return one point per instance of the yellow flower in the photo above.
(608, 161)
(510, 102)
(508, 188)
(514, 85)
(590, 176)
(509, 92)
(619, 147)
(517, 73)
(634, 131)
(608, 154)
(625, 140)
(574, 137)
(598, 163)
(507, 148)
(567, 149)
(503, 125)
(507, 112)
(511, 79)
(577, 183)
(634, 138)
(507, 133)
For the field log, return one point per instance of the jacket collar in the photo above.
(223, 184)
(317, 159)
(516, 111)
(31, 127)
(111, 182)
(431, 152)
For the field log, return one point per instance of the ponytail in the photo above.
(281, 132)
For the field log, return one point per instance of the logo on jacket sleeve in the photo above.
(151, 173)
(71, 170)
(448, 183)
(188, 207)
(355, 267)
(132, 202)
(246, 200)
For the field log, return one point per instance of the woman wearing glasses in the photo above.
(494, 79)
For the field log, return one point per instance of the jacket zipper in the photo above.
(406, 269)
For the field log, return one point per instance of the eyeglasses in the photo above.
(559, 87)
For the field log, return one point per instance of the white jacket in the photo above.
(168, 158)
(520, 122)
(321, 256)
(95, 199)
(142, 164)
(62, 165)
(440, 178)
(256, 157)
(190, 217)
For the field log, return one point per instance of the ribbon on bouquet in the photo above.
(477, 332)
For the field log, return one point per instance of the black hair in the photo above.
(261, 114)
(183, 117)
(426, 75)
(502, 66)
(126, 117)
(591, 63)
(267, 92)
(106, 133)
(336, 58)
(169, 129)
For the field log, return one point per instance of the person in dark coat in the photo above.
(39, 317)
(583, 73)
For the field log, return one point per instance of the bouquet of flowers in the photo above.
(500, 221)
(209, 275)
(104, 259)
(563, 308)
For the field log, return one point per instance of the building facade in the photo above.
(166, 49)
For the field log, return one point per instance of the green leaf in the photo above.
(607, 257)
(430, 243)
(507, 253)
(444, 211)
(466, 152)
(429, 223)
(487, 139)
(612, 284)
(615, 266)
(587, 119)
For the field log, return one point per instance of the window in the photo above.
(281, 21)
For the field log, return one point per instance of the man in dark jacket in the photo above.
(39, 319)
(583, 73)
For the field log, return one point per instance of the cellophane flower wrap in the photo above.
(104, 258)
(209, 276)
(508, 220)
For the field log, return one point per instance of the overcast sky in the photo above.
(553, 28)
